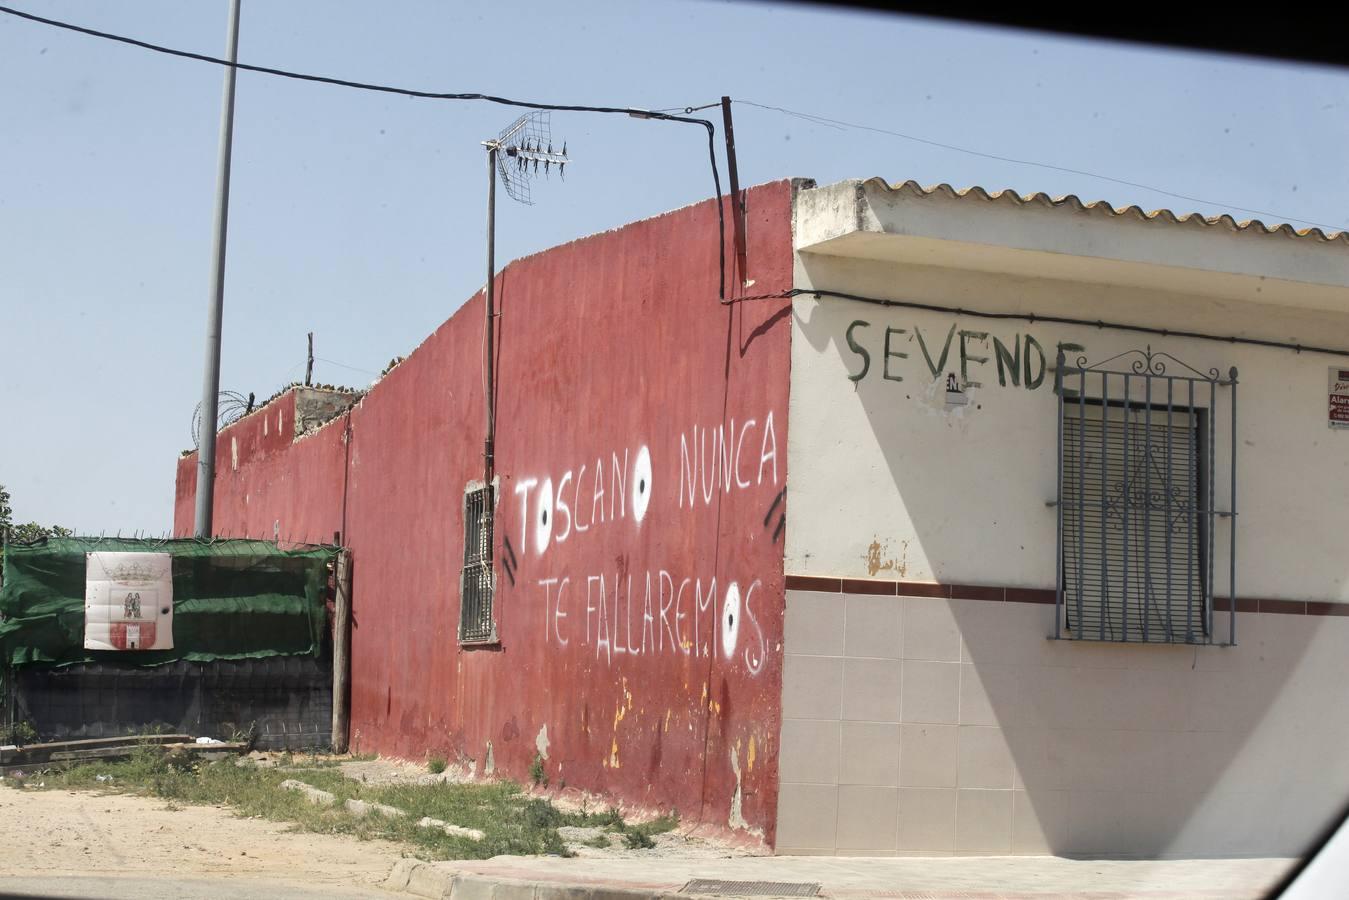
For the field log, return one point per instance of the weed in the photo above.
(237, 735)
(639, 837)
(599, 841)
(536, 772)
(20, 733)
(638, 840)
(610, 818)
(436, 764)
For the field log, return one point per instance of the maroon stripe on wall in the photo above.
(1317, 608)
(814, 583)
(868, 586)
(977, 592)
(923, 589)
(997, 594)
(1031, 595)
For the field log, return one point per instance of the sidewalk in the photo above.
(965, 878)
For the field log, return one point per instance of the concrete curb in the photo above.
(425, 879)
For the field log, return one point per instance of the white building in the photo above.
(927, 706)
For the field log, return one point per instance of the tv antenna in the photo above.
(521, 149)
(515, 156)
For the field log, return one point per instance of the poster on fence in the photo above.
(128, 601)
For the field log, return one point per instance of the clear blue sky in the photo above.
(360, 216)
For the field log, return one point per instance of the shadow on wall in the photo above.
(1132, 750)
(1101, 749)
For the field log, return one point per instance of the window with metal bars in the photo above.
(1136, 502)
(477, 625)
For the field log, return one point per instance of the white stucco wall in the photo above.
(919, 722)
(883, 473)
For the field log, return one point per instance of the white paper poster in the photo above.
(128, 601)
(1339, 397)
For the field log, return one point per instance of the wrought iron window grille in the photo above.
(477, 585)
(1137, 521)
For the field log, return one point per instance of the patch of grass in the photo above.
(362, 757)
(638, 840)
(436, 764)
(610, 819)
(512, 822)
(639, 837)
(599, 841)
(635, 836)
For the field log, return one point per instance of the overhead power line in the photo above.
(839, 124)
(411, 92)
(333, 362)
(819, 293)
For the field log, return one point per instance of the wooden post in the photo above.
(309, 362)
(342, 654)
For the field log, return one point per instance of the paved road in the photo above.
(854, 878)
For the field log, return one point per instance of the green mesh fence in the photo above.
(232, 599)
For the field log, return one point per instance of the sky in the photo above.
(360, 216)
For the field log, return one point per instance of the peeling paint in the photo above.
(878, 560)
(490, 765)
(736, 819)
(541, 741)
(752, 753)
(620, 712)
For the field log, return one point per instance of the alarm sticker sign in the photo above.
(1339, 397)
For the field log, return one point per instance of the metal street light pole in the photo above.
(210, 389)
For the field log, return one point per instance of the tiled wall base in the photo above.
(928, 725)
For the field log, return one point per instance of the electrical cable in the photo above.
(333, 362)
(425, 95)
(1034, 317)
(688, 109)
(839, 124)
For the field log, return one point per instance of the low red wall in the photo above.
(641, 452)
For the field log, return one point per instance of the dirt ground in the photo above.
(59, 833)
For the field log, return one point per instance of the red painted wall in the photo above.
(266, 480)
(613, 353)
